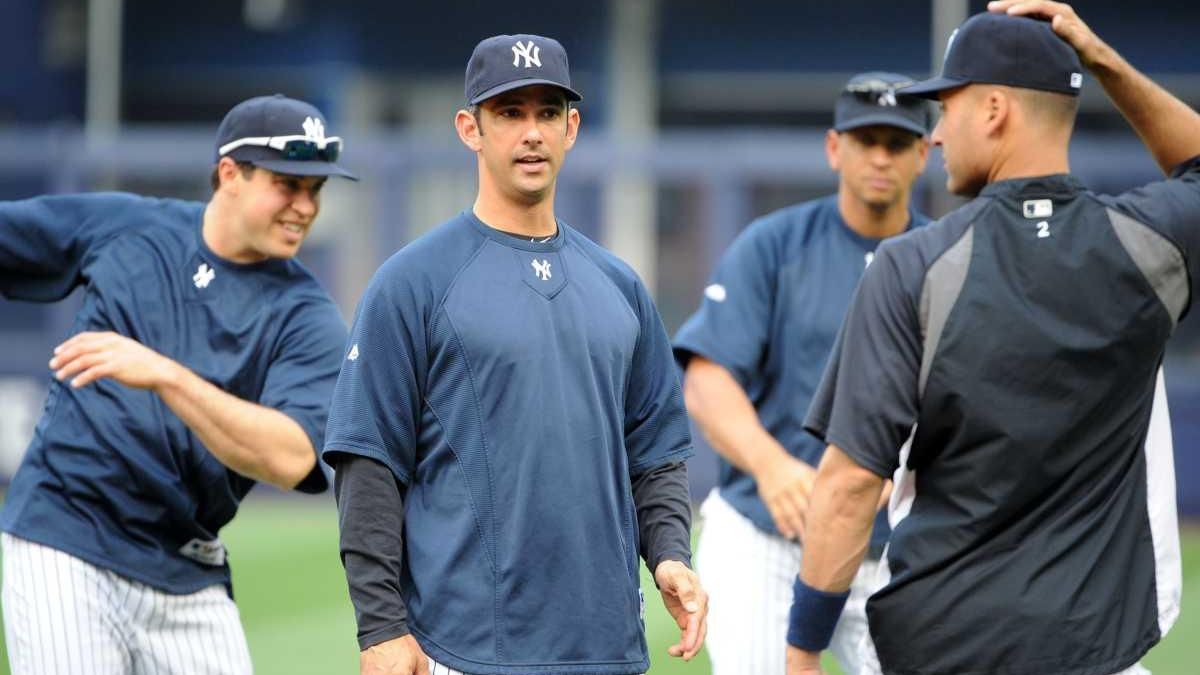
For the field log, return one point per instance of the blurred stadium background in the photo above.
(698, 115)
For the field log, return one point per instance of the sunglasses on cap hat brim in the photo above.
(875, 86)
(294, 148)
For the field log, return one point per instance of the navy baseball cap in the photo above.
(506, 62)
(1016, 51)
(280, 134)
(872, 98)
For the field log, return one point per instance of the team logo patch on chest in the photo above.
(203, 276)
(542, 271)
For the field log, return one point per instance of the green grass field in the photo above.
(298, 618)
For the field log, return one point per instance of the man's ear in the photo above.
(997, 109)
(922, 153)
(468, 130)
(832, 139)
(229, 173)
(572, 127)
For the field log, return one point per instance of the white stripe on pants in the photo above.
(64, 616)
(748, 574)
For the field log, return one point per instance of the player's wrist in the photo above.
(166, 375)
(1100, 59)
(668, 561)
(814, 616)
(765, 463)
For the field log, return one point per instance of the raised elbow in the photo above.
(287, 471)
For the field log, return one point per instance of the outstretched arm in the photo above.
(45, 241)
(253, 440)
(1169, 128)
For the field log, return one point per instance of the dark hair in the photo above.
(474, 110)
(215, 179)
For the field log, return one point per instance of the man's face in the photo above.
(525, 135)
(963, 140)
(877, 164)
(276, 211)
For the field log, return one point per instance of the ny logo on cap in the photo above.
(528, 51)
(542, 269)
(314, 129)
(887, 99)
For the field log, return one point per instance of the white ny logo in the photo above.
(203, 276)
(314, 129)
(528, 51)
(542, 269)
(887, 99)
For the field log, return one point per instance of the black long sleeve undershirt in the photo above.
(664, 514)
(371, 519)
(371, 523)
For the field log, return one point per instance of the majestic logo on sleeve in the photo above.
(868, 258)
(203, 276)
(542, 269)
(353, 355)
(715, 292)
(314, 129)
(528, 51)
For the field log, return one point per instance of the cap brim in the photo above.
(296, 167)
(882, 120)
(931, 88)
(484, 95)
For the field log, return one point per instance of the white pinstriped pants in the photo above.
(436, 668)
(748, 574)
(64, 616)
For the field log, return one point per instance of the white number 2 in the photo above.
(1043, 229)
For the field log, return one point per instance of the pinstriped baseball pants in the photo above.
(748, 574)
(436, 668)
(64, 616)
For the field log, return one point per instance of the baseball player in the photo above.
(1018, 342)
(754, 353)
(201, 361)
(507, 429)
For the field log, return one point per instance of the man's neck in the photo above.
(500, 212)
(211, 229)
(870, 222)
(1036, 157)
(216, 233)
